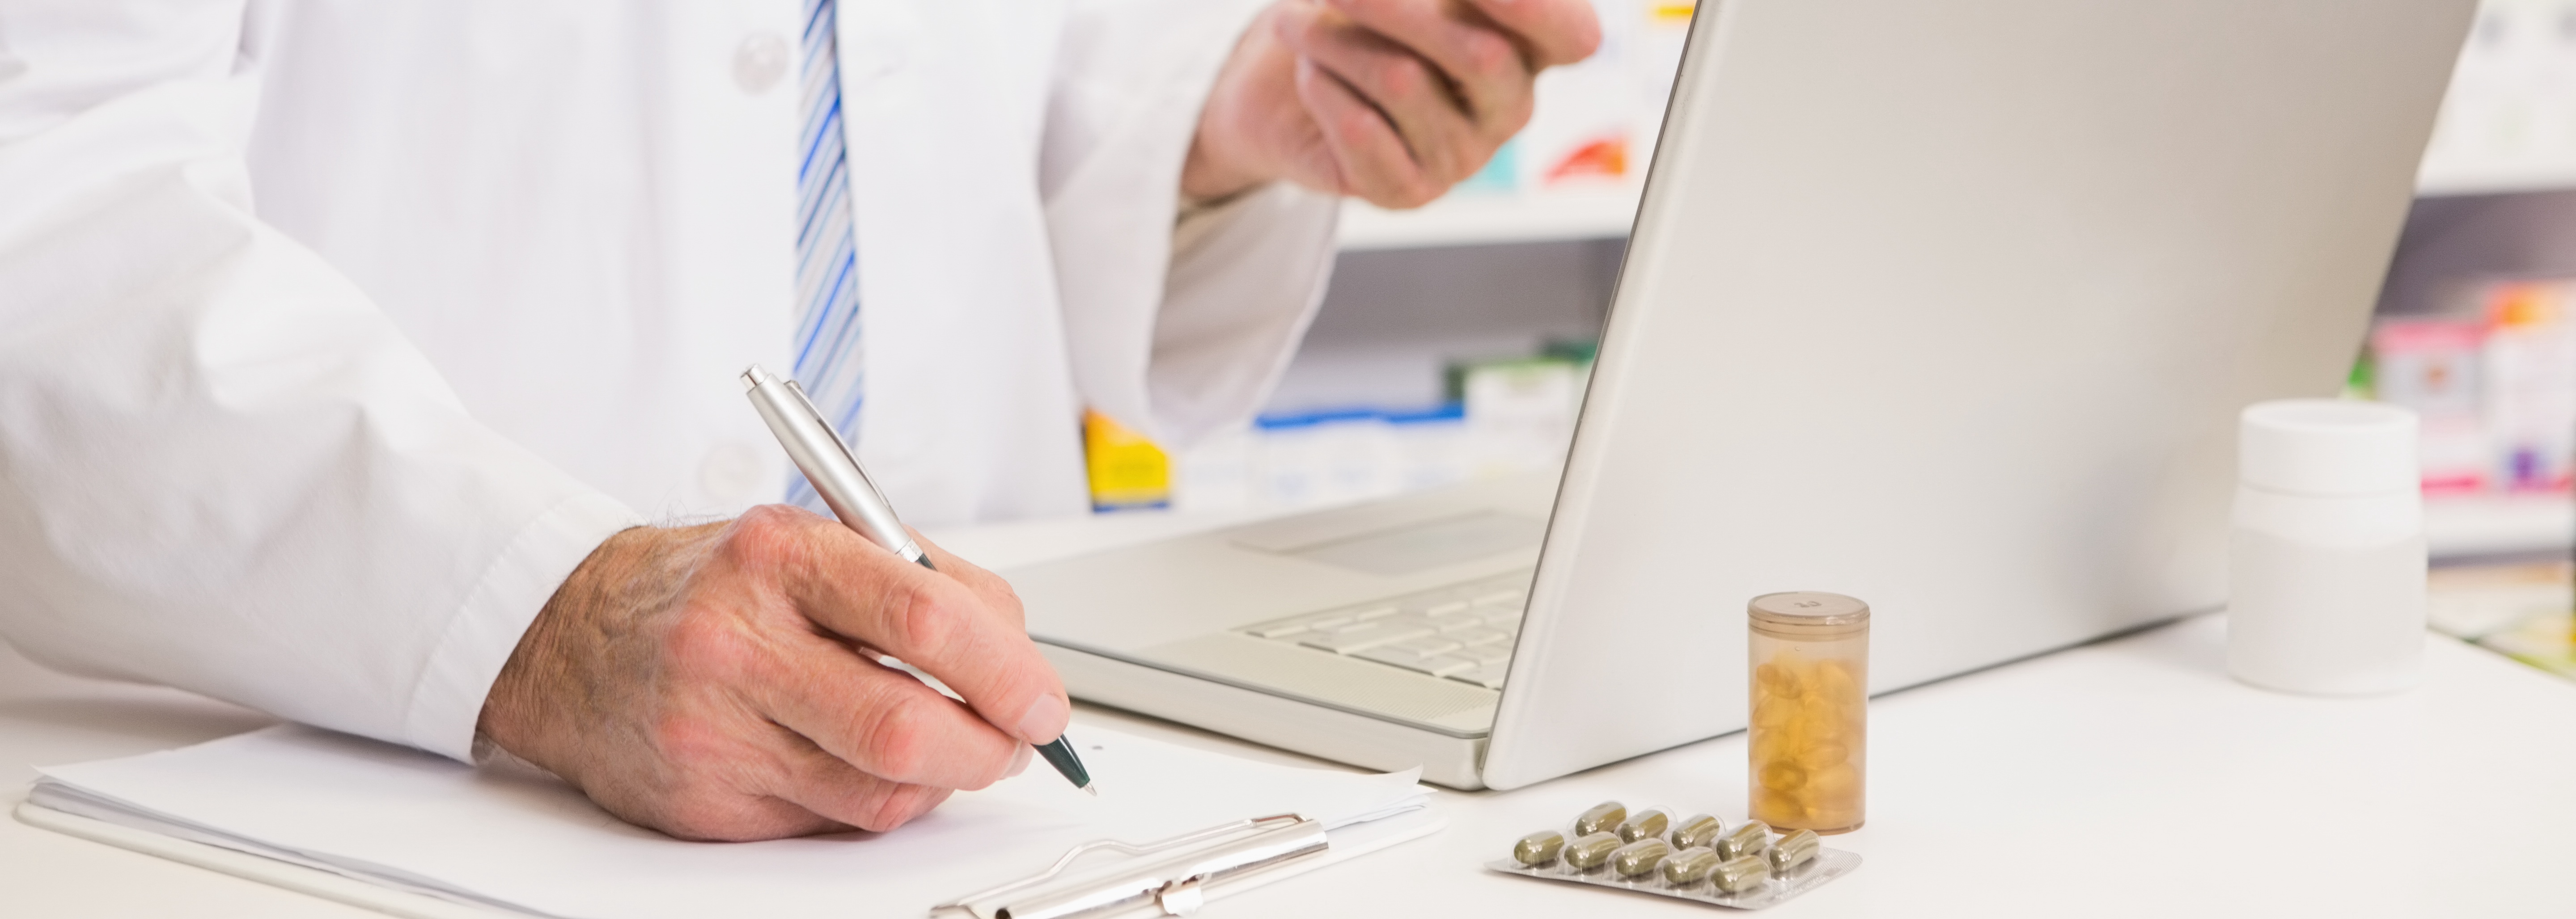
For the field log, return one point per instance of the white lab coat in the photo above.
(333, 335)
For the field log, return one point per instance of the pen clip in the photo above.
(810, 409)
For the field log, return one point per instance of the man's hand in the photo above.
(1393, 101)
(718, 682)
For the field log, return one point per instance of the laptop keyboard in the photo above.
(1463, 632)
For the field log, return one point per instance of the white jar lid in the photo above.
(2327, 447)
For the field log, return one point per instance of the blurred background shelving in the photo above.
(1454, 337)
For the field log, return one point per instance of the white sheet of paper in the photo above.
(531, 842)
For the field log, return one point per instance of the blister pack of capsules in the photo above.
(1700, 858)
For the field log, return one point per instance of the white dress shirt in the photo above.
(333, 335)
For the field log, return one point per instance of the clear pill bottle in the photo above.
(1809, 740)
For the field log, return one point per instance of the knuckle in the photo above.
(1488, 56)
(767, 536)
(897, 738)
(689, 745)
(925, 621)
(1356, 122)
(701, 645)
(1403, 77)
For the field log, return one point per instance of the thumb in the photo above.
(1554, 31)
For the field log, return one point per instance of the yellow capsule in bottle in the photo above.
(1602, 817)
(1809, 690)
(1538, 848)
(1643, 824)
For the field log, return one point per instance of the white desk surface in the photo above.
(2129, 778)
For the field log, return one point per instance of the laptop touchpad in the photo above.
(1426, 545)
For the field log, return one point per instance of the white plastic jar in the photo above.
(2326, 564)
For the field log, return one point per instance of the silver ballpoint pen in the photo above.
(827, 463)
(835, 474)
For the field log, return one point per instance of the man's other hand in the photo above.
(1393, 101)
(721, 681)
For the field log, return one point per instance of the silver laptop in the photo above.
(1945, 304)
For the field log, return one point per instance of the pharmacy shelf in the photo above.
(2438, 180)
(1473, 218)
(1485, 218)
(2457, 527)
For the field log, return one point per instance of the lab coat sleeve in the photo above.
(1179, 333)
(221, 467)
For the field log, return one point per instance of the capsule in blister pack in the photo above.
(1698, 832)
(1646, 823)
(1748, 838)
(1639, 857)
(1689, 866)
(1698, 859)
(1792, 850)
(1740, 875)
(1606, 815)
(1591, 851)
(1538, 848)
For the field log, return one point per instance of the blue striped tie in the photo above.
(827, 284)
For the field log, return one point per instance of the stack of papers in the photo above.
(525, 841)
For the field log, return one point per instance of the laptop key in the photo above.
(1485, 654)
(1366, 637)
(1499, 597)
(1344, 626)
(1445, 665)
(1453, 623)
(1276, 630)
(1436, 644)
(1390, 655)
(1286, 627)
(1478, 636)
(1376, 612)
(1488, 675)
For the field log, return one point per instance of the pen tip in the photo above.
(1092, 789)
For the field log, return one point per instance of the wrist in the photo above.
(1225, 156)
(525, 701)
(1218, 167)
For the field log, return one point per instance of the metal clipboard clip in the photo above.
(1172, 875)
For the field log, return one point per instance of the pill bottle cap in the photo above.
(1808, 614)
(2327, 447)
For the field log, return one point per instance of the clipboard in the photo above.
(309, 809)
(1166, 877)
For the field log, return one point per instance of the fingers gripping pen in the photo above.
(835, 474)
